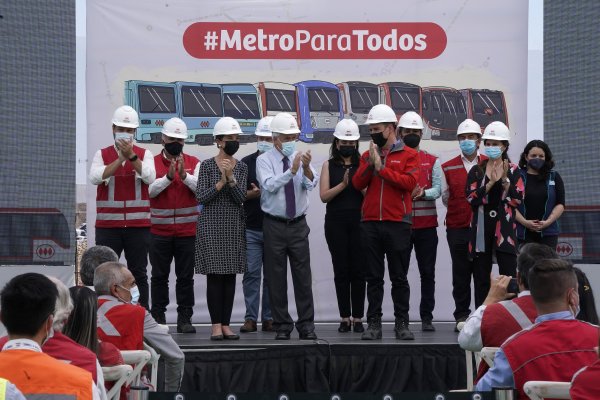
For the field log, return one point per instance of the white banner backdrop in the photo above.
(454, 44)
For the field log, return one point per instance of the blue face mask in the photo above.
(135, 294)
(288, 148)
(468, 146)
(264, 146)
(493, 152)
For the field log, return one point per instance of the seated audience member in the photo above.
(91, 259)
(497, 318)
(557, 345)
(27, 305)
(587, 302)
(584, 385)
(126, 325)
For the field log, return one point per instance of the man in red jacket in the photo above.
(557, 345)
(173, 213)
(389, 172)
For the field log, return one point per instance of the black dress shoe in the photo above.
(359, 327)
(308, 335)
(282, 335)
(231, 337)
(185, 327)
(216, 337)
(344, 327)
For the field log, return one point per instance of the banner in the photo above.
(320, 61)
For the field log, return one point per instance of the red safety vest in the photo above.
(121, 324)
(174, 212)
(585, 384)
(424, 211)
(124, 202)
(459, 212)
(551, 351)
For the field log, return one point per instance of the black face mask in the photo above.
(536, 163)
(174, 148)
(378, 139)
(231, 147)
(347, 151)
(412, 140)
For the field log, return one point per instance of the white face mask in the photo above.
(123, 136)
(263, 146)
(135, 294)
(49, 336)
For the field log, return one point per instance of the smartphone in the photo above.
(123, 136)
(513, 287)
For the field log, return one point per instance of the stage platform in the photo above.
(335, 363)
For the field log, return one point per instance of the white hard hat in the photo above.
(496, 131)
(381, 113)
(126, 117)
(346, 129)
(284, 123)
(227, 126)
(263, 128)
(410, 120)
(468, 126)
(175, 128)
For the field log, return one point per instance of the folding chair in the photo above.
(539, 390)
(154, 356)
(488, 354)
(137, 358)
(119, 375)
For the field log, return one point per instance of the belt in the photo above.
(287, 221)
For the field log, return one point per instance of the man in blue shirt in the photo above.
(285, 176)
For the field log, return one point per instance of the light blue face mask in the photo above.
(288, 148)
(135, 294)
(264, 146)
(468, 146)
(493, 152)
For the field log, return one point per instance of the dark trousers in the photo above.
(343, 240)
(391, 240)
(162, 251)
(425, 242)
(462, 270)
(220, 291)
(283, 241)
(134, 241)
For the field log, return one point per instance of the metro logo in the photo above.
(232, 40)
(45, 251)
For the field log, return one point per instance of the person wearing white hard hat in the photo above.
(494, 191)
(174, 213)
(285, 176)
(254, 237)
(122, 173)
(459, 214)
(389, 171)
(424, 238)
(342, 224)
(220, 234)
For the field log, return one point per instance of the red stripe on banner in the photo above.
(388, 40)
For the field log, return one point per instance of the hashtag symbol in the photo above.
(210, 40)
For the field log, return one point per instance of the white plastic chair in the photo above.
(154, 356)
(469, 356)
(488, 354)
(539, 390)
(137, 358)
(119, 375)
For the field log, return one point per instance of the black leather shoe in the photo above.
(427, 326)
(402, 332)
(358, 327)
(344, 327)
(216, 337)
(185, 327)
(231, 337)
(308, 335)
(282, 335)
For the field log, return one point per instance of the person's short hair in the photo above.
(93, 257)
(587, 303)
(26, 302)
(529, 254)
(107, 275)
(81, 327)
(64, 305)
(550, 280)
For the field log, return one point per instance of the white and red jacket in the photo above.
(424, 211)
(122, 200)
(121, 324)
(173, 204)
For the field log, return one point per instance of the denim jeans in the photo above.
(252, 278)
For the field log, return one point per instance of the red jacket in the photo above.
(585, 385)
(174, 212)
(425, 211)
(550, 351)
(388, 196)
(120, 323)
(124, 202)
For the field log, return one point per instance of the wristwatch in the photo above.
(135, 157)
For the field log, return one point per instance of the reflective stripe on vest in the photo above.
(451, 167)
(40, 396)
(424, 208)
(3, 388)
(517, 313)
(176, 220)
(111, 202)
(169, 212)
(103, 323)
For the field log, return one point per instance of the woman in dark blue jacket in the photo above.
(544, 197)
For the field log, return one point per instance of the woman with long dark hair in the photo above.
(342, 224)
(494, 190)
(543, 199)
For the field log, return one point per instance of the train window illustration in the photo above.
(157, 99)
(240, 105)
(487, 103)
(281, 100)
(404, 100)
(323, 100)
(363, 98)
(200, 101)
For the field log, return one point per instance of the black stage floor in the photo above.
(336, 362)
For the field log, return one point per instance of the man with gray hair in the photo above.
(91, 259)
(126, 325)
